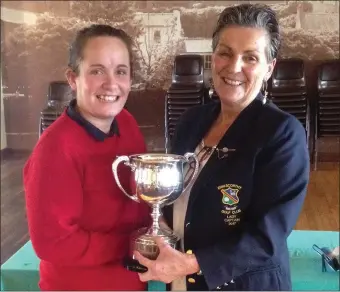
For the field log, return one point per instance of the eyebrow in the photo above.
(102, 66)
(247, 51)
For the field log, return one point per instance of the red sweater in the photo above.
(79, 220)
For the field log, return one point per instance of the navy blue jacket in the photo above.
(243, 207)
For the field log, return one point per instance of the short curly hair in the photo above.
(251, 15)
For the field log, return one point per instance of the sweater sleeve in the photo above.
(280, 184)
(54, 197)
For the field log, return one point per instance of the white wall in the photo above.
(18, 16)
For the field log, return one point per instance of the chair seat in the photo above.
(175, 112)
(284, 93)
(293, 109)
(296, 111)
(51, 112)
(329, 118)
(173, 119)
(329, 124)
(299, 116)
(329, 106)
(330, 91)
(329, 100)
(47, 123)
(335, 96)
(188, 95)
(329, 132)
(328, 112)
(285, 99)
(291, 104)
(177, 107)
(172, 126)
(333, 120)
(49, 118)
(181, 88)
(186, 101)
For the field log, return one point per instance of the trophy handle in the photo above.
(195, 173)
(115, 164)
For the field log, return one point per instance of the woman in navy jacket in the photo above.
(254, 170)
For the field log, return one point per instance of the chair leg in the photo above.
(315, 158)
(311, 150)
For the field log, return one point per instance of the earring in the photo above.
(211, 89)
(265, 92)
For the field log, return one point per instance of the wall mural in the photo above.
(36, 34)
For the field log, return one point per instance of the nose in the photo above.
(235, 64)
(111, 81)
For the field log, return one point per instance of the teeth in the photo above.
(232, 82)
(108, 97)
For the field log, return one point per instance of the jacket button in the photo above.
(191, 280)
(189, 251)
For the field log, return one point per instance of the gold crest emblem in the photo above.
(229, 194)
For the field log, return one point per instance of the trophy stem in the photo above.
(156, 214)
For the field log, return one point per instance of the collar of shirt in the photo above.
(93, 131)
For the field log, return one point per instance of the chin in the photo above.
(112, 114)
(111, 110)
(230, 96)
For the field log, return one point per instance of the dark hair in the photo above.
(95, 30)
(250, 15)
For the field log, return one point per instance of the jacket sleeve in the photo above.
(54, 199)
(280, 184)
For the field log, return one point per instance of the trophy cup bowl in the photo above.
(159, 181)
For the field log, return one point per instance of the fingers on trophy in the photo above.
(159, 181)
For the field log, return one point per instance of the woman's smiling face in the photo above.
(104, 80)
(240, 64)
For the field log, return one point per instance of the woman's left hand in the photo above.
(169, 265)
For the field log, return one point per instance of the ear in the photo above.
(71, 77)
(270, 71)
(213, 56)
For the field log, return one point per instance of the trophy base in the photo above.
(143, 241)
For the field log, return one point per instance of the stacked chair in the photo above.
(59, 96)
(186, 90)
(288, 90)
(327, 122)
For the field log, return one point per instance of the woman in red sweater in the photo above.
(79, 221)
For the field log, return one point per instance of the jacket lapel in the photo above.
(234, 138)
(201, 128)
(231, 140)
(195, 133)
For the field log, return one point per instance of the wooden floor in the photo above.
(13, 217)
(321, 207)
(320, 211)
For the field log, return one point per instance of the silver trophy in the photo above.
(159, 181)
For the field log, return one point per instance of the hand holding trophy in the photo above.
(159, 182)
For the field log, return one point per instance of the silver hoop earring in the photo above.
(265, 92)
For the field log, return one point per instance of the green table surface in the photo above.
(20, 272)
